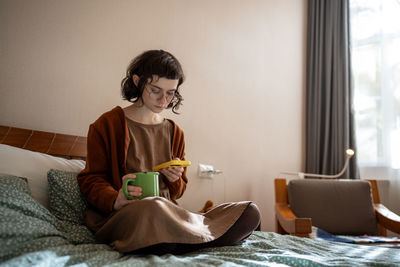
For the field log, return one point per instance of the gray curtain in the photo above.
(329, 117)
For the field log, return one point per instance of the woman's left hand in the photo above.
(172, 173)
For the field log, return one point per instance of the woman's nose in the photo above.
(163, 98)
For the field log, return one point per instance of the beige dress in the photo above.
(157, 220)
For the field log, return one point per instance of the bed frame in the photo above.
(56, 144)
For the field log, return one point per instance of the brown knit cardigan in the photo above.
(107, 148)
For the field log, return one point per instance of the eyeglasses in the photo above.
(157, 92)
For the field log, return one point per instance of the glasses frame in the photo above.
(151, 88)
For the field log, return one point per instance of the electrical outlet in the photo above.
(205, 171)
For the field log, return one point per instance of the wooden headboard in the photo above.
(56, 144)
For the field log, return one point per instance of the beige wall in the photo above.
(62, 63)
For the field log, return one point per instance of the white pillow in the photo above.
(34, 166)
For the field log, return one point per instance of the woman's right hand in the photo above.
(121, 200)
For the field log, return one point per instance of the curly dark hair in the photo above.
(152, 62)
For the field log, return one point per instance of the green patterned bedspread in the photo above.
(31, 235)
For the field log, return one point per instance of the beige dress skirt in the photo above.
(156, 220)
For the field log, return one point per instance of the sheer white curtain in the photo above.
(375, 56)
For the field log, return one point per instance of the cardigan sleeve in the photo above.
(95, 180)
(178, 187)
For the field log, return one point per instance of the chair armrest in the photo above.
(387, 218)
(290, 223)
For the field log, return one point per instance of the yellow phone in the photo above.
(172, 163)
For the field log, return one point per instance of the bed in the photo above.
(42, 212)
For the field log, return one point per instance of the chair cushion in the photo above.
(341, 207)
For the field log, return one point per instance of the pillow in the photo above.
(26, 226)
(22, 218)
(65, 198)
(34, 166)
(10, 182)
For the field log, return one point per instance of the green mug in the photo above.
(148, 181)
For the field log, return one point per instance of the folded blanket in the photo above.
(318, 233)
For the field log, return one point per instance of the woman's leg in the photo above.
(157, 249)
(240, 230)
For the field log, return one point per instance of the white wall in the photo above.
(62, 63)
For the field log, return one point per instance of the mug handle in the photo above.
(125, 188)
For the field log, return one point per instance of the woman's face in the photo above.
(157, 94)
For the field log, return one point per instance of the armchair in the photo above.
(341, 207)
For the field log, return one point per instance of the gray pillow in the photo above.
(65, 198)
(24, 223)
(14, 182)
(27, 226)
(341, 207)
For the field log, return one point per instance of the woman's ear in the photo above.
(135, 79)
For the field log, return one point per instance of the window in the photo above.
(375, 57)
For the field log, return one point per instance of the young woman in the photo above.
(123, 141)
